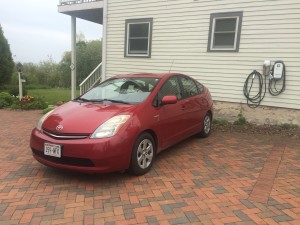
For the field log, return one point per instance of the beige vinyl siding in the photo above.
(270, 30)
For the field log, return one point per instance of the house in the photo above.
(217, 42)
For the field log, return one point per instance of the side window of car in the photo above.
(189, 87)
(200, 87)
(170, 87)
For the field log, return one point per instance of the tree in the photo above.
(88, 54)
(64, 70)
(6, 61)
(43, 74)
(46, 71)
(30, 73)
(88, 57)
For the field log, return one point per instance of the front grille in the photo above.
(65, 136)
(65, 160)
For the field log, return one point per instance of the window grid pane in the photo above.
(138, 46)
(224, 40)
(139, 30)
(225, 24)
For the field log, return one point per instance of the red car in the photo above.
(123, 123)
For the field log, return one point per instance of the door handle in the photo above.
(184, 105)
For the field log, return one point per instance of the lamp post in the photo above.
(20, 68)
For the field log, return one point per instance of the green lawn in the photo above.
(52, 96)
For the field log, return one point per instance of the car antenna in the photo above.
(171, 66)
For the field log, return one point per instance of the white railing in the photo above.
(70, 2)
(91, 80)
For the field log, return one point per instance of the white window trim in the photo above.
(127, 41)
(237, 36)
(213, 33)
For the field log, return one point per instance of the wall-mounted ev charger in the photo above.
(276, 82)
(278, 70)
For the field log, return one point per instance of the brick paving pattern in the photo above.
(224, 179)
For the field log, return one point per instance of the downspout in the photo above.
(104, 30)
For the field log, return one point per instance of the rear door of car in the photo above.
(192, 106)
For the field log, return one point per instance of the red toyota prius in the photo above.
(123, 123)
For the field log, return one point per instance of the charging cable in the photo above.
(255, 101)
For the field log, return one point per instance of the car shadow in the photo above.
(57, 176)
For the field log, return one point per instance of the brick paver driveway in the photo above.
(224, 179)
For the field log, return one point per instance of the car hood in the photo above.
(83, 118)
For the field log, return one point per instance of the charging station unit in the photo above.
(278, 70)
(276, 75)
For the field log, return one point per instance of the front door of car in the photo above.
(171, 125)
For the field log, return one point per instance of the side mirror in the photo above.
(171, 99)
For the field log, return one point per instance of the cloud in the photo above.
(36, 32)
(34, 44)
(35, 29)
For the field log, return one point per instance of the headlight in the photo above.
(41, 121)
(110, 127)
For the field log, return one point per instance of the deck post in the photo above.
(104, 30)
(73, 57)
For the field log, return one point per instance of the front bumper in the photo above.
(85, 155)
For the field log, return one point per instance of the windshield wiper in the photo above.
(82, 99)
(109, 100)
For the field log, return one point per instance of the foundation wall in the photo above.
(260, 115)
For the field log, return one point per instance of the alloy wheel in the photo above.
(145, 153)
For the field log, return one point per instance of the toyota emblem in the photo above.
(59, 128)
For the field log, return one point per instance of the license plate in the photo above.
(52, 150)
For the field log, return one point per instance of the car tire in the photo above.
(143, 155)
(205, 132)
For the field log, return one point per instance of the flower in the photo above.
(26, 99)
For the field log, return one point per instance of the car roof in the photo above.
(150, 75)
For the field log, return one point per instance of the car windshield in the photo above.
(131, 90)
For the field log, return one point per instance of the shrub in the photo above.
(6, 100)
(3, 104)
(29, 102)
(15, 106)
(38, 104)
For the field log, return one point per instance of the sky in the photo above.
(36, 31)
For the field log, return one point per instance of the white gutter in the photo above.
(105, 4)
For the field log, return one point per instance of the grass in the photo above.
(53, 95)
(220, 122)
(240, 121)
(288, 126)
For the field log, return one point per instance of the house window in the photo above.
(225, 32)
(138, 37)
